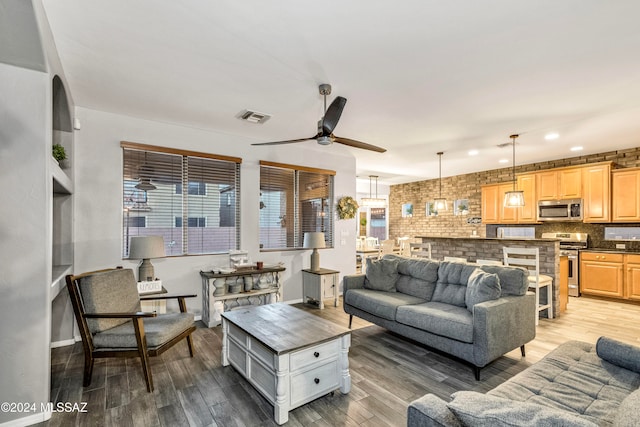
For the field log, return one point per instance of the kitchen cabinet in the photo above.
(625, 197)
(559, 184)
(563, 298)
(493, 210)
(602, 273)
(632, 283)
(528, 213)
(596, 182)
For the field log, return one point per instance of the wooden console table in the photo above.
(210, 295)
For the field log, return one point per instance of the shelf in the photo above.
(61, 181)
(57, 279)
(249, 294)
(212, 275)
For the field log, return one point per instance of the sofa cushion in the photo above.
(438, 318)
(619, 353)
(482, 286)
(381, 275)
(477, 409)
(157, 330)
(627, 413)
(379, 303)
(513, 280)
(452, 283)
(416, 287)
(573, 378)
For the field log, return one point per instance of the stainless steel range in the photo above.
(570, 244)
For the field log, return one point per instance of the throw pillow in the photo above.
(619, 353)
(481, 287)
(381, 274)
(478, 410)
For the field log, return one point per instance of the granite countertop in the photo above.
(524, 239)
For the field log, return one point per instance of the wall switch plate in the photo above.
(621, 246)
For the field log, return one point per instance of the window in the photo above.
(203, 221)
(294, 200)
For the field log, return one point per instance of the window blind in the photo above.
(294, 200)
(202, 220)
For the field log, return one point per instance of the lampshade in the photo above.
(146, 247)
(314, 240)
(513, 198)
(145, 184)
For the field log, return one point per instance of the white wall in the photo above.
(98, 199)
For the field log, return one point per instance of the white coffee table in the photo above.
(290, 356)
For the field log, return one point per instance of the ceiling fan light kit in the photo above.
(327, 124)
(514, 198)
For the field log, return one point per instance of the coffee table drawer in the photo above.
(315, 382)
(316, 354)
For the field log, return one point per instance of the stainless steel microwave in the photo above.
(560, 210)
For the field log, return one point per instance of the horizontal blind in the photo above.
(193, 202)
(294, 201)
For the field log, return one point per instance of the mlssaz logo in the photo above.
(64, 407)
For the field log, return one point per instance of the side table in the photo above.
(320, 285)
(159, 306)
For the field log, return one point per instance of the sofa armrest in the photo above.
(502, 325)
(429, 411)
(354, 281)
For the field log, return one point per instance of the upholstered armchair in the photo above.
(107, 308)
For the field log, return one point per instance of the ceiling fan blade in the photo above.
(331, 117)
(358, 144)
(289, 141)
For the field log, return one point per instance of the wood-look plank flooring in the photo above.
(387, 373)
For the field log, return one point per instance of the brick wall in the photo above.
(446, 224)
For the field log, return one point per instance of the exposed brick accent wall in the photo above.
(468, 187)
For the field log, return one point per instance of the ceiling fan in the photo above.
(326, 125)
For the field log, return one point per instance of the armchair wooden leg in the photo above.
(88, 368)
(522, 350)
(142, 351)
(190, 345)
(350, 320)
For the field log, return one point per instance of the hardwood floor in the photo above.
(387, 373)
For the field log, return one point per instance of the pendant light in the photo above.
(373, 202)
(514, 198)
(440, 203)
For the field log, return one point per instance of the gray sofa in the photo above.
(475, 313)
(577, 384)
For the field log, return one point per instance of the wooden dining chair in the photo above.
(420, 250)
(106, 305)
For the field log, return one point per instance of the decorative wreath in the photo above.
(347, 208)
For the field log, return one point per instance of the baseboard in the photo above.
(63, 343)
(294, 301)
(39, 417)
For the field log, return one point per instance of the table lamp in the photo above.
(145, 248)
(314, 241)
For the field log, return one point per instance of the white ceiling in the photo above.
(420, 76)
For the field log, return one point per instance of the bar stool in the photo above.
(454, 259)
(529, 258)
(420, 250)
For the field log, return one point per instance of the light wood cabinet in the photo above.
(564, 283)
(632, 283)
(625, 196)
(602, 274)
(547, 185)
(493, 210)
(570, 183)
(528, 213)
(596, 181)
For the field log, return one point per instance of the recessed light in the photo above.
(551, 136)
(503, 161)
(473, 152)
(577, 148)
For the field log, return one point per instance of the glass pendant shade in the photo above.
(513, 198)
(440, 203)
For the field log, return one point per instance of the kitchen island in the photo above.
(474, 248)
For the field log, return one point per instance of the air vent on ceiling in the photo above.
(253, 116)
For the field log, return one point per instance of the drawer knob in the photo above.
(316, 380)
(316, 354)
